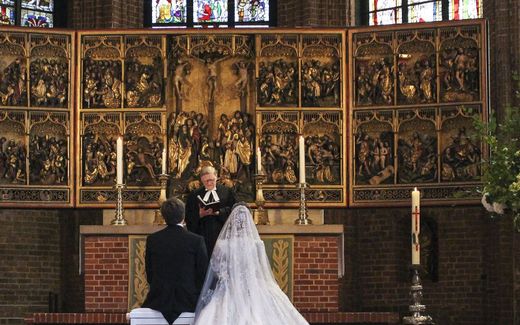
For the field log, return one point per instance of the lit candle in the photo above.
(163, 161)
(258, 160)
(119, 152)
(302, 159)
(416, 226)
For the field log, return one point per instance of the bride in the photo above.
(240, 288)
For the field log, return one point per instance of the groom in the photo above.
(176, 263)
(208, 207)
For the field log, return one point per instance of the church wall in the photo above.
(30, 267)
(377, 257)
(39, 250)
(477, 277)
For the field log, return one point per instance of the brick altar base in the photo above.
(120, 319)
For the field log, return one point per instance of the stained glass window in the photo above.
(383, 12)
(247, 11)
(424, 12)
(169, 11)
(32, 18)
(45, 5)
(211, 13)
(7, 16)
(27, 13)
(465, 9)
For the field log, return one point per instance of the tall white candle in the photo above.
(119, 152)
(258, 160)
(416, 226)
(163, 170)
(301, 146)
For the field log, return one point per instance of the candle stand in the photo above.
(416, 308)
(158, 219)
(260, 214)
(119, 219)
(303, 217)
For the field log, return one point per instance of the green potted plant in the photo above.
(501, 171)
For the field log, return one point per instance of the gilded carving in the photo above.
(277, 71)
(13, 150)
(321, 71)
(144, 72)
(144, 147)
(417, 147)
(459, 62)
(48, 148)
(279, 147)
(322, 133)
(13, 67)
(98, 145)
(460, 153)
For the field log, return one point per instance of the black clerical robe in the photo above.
(209, 226)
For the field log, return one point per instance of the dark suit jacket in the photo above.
(209, 227)
(176, 263)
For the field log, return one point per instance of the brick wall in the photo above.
(30, 262)
(474, 264)
(315, 273)
(106, 273)
(92, 14)
(309, 13)
(39, 261)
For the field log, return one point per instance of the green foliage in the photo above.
(501, 172)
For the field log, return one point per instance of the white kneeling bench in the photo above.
(147, 316)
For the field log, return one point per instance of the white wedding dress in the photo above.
(240, 288)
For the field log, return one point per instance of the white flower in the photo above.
(499, 207)
(485, 203)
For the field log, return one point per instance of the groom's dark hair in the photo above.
(172, 211)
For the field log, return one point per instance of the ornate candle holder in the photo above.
(303, 217)
(159, 220)
(416, 308)
(261, 216)
(119, 219)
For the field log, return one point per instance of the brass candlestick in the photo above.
(261, 216)
(159, 220)
(416, 308)
(119, 219)
(303, 217)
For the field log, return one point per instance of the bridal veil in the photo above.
(240, 288)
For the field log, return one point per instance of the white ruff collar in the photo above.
(215, 195)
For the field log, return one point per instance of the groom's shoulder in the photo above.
(193, 235)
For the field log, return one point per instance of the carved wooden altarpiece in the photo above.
(416, 90)
(381, 110)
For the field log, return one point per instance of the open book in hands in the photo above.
(215, 206)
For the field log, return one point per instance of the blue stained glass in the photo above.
(251, 11)
(210, 11)
(31, 18)
(169, 11)
(46, 5)
(7, 2)
(7, 16)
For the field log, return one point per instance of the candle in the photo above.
(416, 226)
(302, 159)
(258, 160)
(119, 152)
(163, 161)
